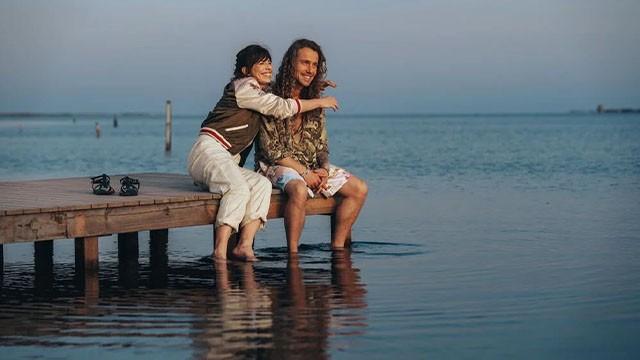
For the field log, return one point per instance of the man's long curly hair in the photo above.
(285, 80)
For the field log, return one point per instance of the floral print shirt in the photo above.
(309, 145)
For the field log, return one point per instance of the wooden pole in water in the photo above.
(167, 126)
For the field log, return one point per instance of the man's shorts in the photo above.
(281, 175)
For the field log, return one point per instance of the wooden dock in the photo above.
(41, 211)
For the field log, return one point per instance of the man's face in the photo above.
(305, 66)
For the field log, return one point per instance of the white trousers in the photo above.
(245, 194)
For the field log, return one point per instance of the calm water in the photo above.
(490, 236)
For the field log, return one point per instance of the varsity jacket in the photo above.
(235, 121)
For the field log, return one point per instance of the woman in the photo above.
(229, 131)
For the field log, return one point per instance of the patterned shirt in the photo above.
(308, 146)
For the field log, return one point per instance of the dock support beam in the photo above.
(158, 258)
(43, 254)
(128, 247)
(87, 254)
(87, 265)
(128, 253)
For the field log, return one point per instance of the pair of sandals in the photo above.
(101, 185)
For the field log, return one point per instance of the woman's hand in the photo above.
(327, 83)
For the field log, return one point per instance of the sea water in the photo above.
(483, 236)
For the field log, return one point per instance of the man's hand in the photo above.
(324, 177)
(329, 102)
(313, 180)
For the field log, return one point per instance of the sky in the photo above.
(439, 56)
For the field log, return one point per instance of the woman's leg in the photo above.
(255, 214)
(214, 168)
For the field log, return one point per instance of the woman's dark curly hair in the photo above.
(248, 57)
(285, 80)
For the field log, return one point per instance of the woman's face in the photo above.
(262, 72)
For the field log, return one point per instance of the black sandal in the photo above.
(130, 186)
(100, 185)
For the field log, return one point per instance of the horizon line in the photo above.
(356, 114)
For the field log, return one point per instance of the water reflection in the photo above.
(285, 307)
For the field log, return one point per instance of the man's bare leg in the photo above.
(354, 194)
(244, 250)
(294, 213)
(222, 234)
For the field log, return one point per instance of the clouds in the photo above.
(415, 56)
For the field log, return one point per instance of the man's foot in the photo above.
(244, 254)
(337, 246)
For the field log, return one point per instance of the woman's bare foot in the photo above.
(244, 254)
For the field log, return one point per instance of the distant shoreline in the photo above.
(80, 114)
(109, 115)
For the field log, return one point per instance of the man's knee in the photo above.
(363, 189)
(297, 191)
(358, 189)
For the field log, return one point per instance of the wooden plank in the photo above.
(75, 193)
(96, 222)
(32, 227)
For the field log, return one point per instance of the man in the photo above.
(294, 153)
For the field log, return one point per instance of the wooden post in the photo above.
(91, 287)
(87, 266)
(87, 254)
(158, 259)
(128, 247)
(128, 259)
(43, 253)
(167, 126)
